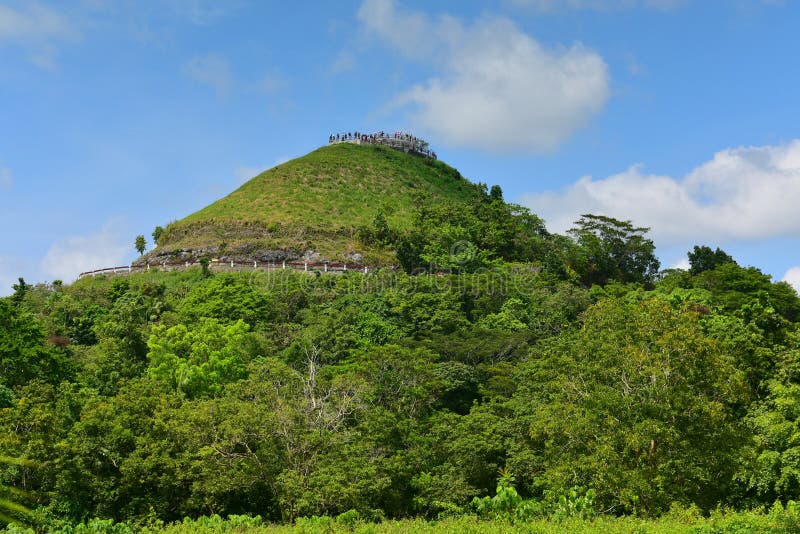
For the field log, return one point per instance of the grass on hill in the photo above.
(318, 201)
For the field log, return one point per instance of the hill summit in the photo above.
(312, 207)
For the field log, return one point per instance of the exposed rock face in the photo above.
(254, 241)
(244, 253)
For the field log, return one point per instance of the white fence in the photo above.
(399, 141)
(232, 265)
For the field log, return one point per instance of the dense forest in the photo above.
(499, 373)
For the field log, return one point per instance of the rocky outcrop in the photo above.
(245, 253)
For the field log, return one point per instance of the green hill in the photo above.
(313, 206)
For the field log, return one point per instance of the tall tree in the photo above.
(639, 403)
(19, 291)
(24, 354)
(610, 249)
(157, 233)
(140, 244)
(702, 258)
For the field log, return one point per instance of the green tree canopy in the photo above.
(702, 258)
(158, 231)
(201, 360)
(639, 404)
(610, 249)
(140, 243)
(24, 352)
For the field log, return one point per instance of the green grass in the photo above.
(318, 200)
(681, 521)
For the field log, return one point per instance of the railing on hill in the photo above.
(233, 265)
(402, 141)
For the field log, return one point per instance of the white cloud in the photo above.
(410, 33)
(271, 83)
(6, 181)
(343, 62)
(498, 88)
(681, 264)
(203, 12)
(35, 28)
(76, 254)
(792, 277)
(33, 22)
(745, 193)
(212, 70)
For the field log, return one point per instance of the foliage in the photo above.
(24, 353)
(20, 289)
(507, 504)
(158, 231)
(702, 258)
(182, 401)
(204, 263)
(609, 249)
(11, 511)
(454, 237)
(639, 404)
(198, 361)
(140, 243)
(227, 298)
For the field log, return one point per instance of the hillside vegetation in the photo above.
(317, 203)
(505, 379)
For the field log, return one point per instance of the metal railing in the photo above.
(399, 141)
(233, 265)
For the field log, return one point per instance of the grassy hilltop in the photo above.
(316, 203)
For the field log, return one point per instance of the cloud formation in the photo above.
(745, 193)
(344, 61)
(212, 70)
(69, 257)
(203, 12)
(271, 83)
(792, 277)
(497, 89)
(35, 28)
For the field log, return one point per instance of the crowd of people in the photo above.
(400, 140)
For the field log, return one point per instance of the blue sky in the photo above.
(681, 115)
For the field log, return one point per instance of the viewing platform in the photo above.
(402, 141)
